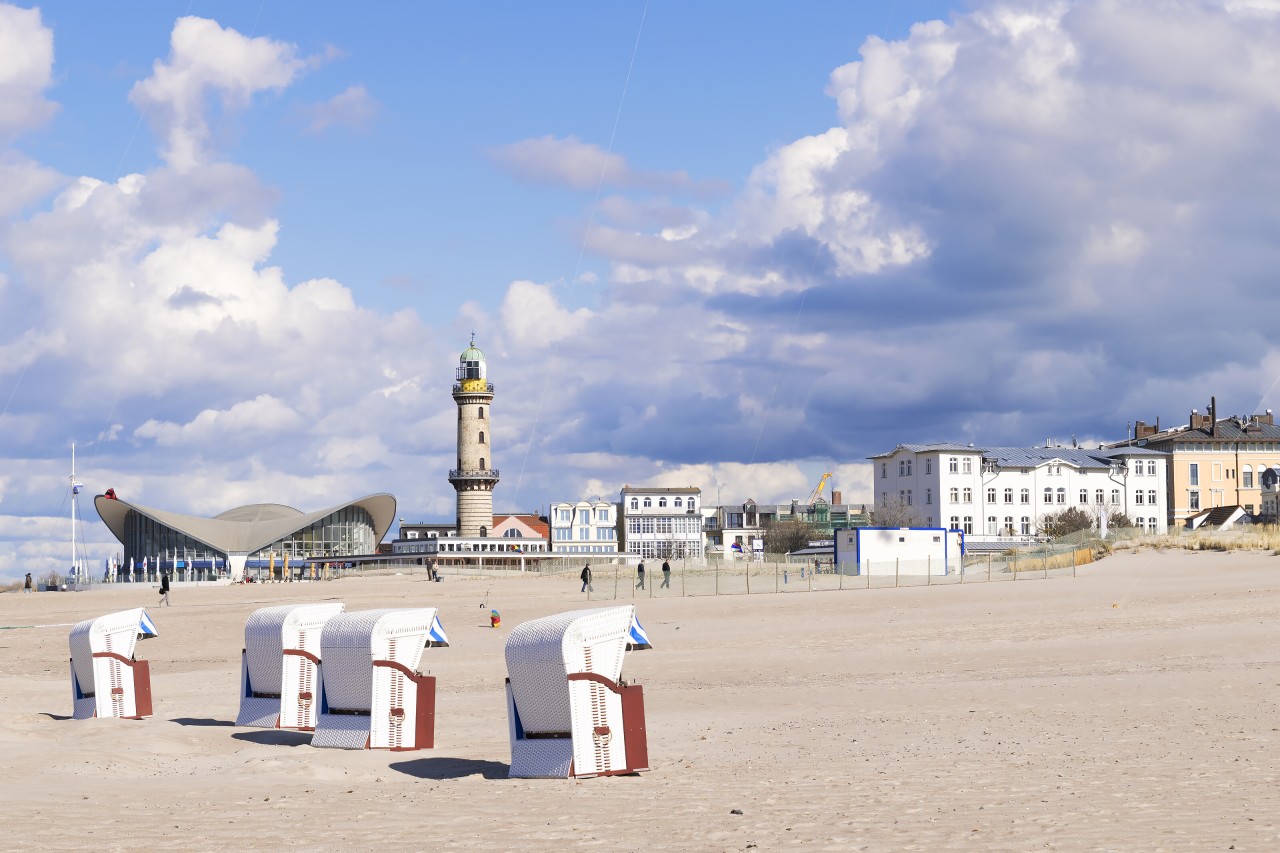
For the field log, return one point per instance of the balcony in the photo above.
(457, 389)
(456, 475)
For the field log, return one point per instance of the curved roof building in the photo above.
(248, 532)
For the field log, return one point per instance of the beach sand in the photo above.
(1134, 707)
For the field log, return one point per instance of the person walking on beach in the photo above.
(666, 575)
(586, 579)
(640, 574)
(164, 589)
(26, 586)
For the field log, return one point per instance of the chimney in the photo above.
(1213, 416)
(1142, 429)
(1265, 419)
(837, 497)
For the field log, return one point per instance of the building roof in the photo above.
(1032, 457)
(661, 490)
(533, 522)
(1229, 429)
(245, 529)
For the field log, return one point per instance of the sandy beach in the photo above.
(1134, 707)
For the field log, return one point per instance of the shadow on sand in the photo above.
(200, 721)
(56, 716)
(451, 768)
(275, 737)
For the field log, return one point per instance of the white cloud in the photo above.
(205, 57)
(531, 317)
(26, 68)
(260, 416)
(352, 108)
(579, 165)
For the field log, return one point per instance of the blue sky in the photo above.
(241, 246)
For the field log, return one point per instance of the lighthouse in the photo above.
(475, 476)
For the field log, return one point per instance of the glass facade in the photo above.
(346, 532)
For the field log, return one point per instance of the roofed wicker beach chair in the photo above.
(105, 679)
(280, 666)
(568, 711)
(372, 696)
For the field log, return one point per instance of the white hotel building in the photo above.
(662, 523)
(584, 527)
(1005, 491)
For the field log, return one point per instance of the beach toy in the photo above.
(280, 666)
(371, 695)
(495, 619)
(585, 723)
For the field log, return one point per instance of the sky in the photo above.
(720, 245)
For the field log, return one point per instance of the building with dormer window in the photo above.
(662, 523)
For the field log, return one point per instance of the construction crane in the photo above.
(817, 490)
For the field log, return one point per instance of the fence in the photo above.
(618, 582)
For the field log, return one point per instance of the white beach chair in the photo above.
(568, 712)
(105, 679)
(371, 694)
(280, 666)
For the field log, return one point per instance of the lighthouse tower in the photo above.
(475, 476)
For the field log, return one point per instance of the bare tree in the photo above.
(1068, 521)
(781, 537)
(895, 513)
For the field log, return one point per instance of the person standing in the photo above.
(164, 589)
(586, 579)
(666, 575)
(640, 575)
(26, 585)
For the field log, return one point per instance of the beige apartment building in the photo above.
(1217, 463)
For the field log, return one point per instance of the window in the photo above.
(953, 465)
(1151, 472)
(480, 412)
(1194, 496)
(584, 533)
(884, 470)
(662, 502)
(968, 495)
(1098, 497)
(1138, 496)
(1151, 524)
(908, 467)
(1008, 525)
(1062, 495)
(1151, 497)
(1025, 527)
(1115, 497)
(1194, 471)
(1048, 494)
(482, 436)
(991, 495)
(648, 502)
(968, 525)
(955, 522)
(1008, 496)
(968, 465)
(928, 497)
(991, 525)
(902, 467)
(1026, 496)
(1137, 468)
(562, 515)
(1084, 496)
(908, 497)
(690, 504)
(635, 504)
(1217, 471)
(602, 515)
(955, 495)
(482, 468)
(1246, 476)
(676, 502)
(928, 466)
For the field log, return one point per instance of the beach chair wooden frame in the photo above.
(568, 712)
(106, 681)
(372, 696)
(280, 666)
